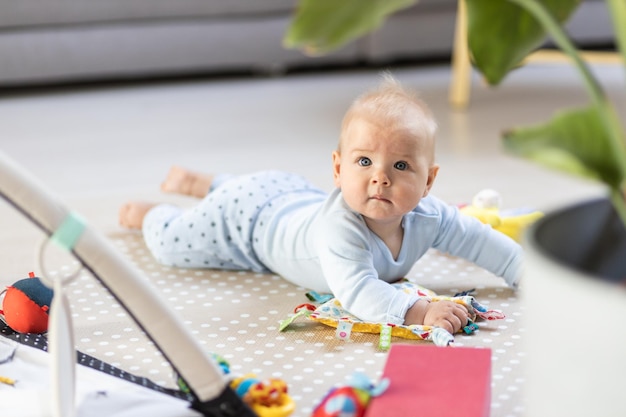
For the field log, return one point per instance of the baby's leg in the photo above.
(131, 214)
(182, 181)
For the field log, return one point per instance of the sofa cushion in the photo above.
(62, 12)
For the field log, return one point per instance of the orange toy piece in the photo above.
(267, 398)
(25, 305)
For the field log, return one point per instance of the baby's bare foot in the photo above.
(131, 214)
(182, 181)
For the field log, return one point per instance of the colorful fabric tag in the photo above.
(384, 343)
(285, 323)
(344, 328)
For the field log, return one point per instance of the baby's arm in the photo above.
(466, 237)
(446, 314)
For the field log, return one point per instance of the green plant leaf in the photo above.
(573, 141)
(617, 11)
(501, 34)
(321, 26)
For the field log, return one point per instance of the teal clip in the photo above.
(317, 297)
(68, 232)
(470, 328)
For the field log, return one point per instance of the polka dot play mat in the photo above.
(238, 314)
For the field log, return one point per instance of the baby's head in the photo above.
(385, 161)
(394, 107)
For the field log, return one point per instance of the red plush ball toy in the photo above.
(26, 304)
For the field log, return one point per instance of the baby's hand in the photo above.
(445, 314)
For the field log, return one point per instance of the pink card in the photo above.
(427, 380)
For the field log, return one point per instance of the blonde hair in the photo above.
(392, 104)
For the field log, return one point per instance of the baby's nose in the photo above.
(380, 177)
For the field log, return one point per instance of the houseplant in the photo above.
(574, 343)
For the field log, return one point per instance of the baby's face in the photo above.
(383, 171)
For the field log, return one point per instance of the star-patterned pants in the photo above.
(218, 232)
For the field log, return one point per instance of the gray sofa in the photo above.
(61, 41)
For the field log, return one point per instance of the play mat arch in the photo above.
(208, 388)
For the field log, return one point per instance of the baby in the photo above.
(367, 233)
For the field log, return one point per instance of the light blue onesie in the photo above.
(278, 222)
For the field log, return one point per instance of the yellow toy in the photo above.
(7, 381)
(486, 208)
(267, 398)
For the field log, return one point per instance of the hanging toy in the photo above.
(267, 398)
(25, 305)
(350, 400)
(222, 363)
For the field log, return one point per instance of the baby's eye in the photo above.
(401, 165)
(364, 161)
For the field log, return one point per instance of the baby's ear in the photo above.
(432, 175)
(336, 168)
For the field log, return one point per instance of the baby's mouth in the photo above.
(380, 198)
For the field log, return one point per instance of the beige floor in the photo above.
(97, 147)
